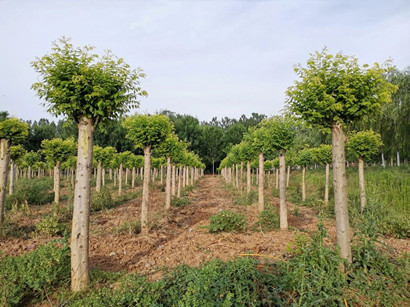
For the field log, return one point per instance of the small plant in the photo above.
(133, 227)
(50, 225)
(180, 202)
(33, 274)
(246, 199)
(268, 219)
(227, 221)
(34, 191)
(101, 200)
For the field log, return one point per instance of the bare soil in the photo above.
(179, 236)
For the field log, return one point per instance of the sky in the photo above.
(203, 58)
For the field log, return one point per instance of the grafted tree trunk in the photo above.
(4, 165)
(303, 183)
(340, 192)
(80, 277)
(282, 192)
(248, 177)
(261, 200)
(99, 177)
(145, 190)
(168, 185)
(362, 187)
(57, 171)
(327, 184)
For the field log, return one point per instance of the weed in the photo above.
(268, 219)
(34, 191)
(180, 202)
(227, 221)
(50, 225)
(101, 200)
(133, 227)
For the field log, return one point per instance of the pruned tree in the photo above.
(89, 89)
(147, 132)
(323, 154)
(57, 151)
(30, 158)
(304, 159)
(363, 145)
(12, 131)
(334, 91)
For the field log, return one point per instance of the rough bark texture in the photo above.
(248, 177)
(362, 187)
(327, 184)
(99, 177)
(145, 190)
(168, 185)
(340, 192)
(80, 277)
(282, 192)
(57, 171)
(261, 183)
(12, 176)
(4, 165)
(303, 183)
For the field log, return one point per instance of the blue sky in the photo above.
(204, 58)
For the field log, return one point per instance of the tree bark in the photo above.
(383, 162)
(12, 176)
(173, 180)
(327, 184)
(168, 185)
(57, 171)
(133, 177)
(80, 277)
(303, 183)
(120, 180)
(362, 187)
(277, 179)
(145, 190)
(340, 192)
(236, 175)
(397, 158)
(99, 177)
(282, 192)
(248, 177)
(261, 200)
(192, 175)
(162, 174)
(184, 177)
(179, 181)
(288, 176)
(4, 165)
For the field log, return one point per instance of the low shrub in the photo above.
(129, 227)
(268, 219)
(180, 202)
(34, 274)
(51, 226)
(227, 220)
(101, 200)
(34, 191)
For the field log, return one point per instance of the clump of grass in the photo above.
(245, 199)
(268, 219)
(180, 202)
(133, 227)
(227, 221)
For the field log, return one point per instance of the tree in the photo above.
(98, 153)
(363, 145)
(89, 89)
(247, 153)
(334, 91)
(12, 131)
(211, 144)
(304, 158)
(323, 154)
(57, 151)
(16, 152)
(30, 158)
(147, 132)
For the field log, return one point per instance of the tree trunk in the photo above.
(383, 162)
(29, 172)
(277, 179)
(115, 177)
(110, 172)
(162, 174)
(133, 177)
(303, 183)
(261, 201)
(192, 175)
(184, 177)
(12, 175)
(241, 175)
(168, 185)
(397, 158)
(120, 180)
(362, 185)
(127, 171)
(80, 277)
(282, 192)
(173, 180)
(213, 167)
(179, 181)
(145, 190)
(103, 177)
(248, 177)
(57, 171)
(327, 184)
(4, 166)
(99, 177)
(340, 192)
(236, 175)
(288, 176)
